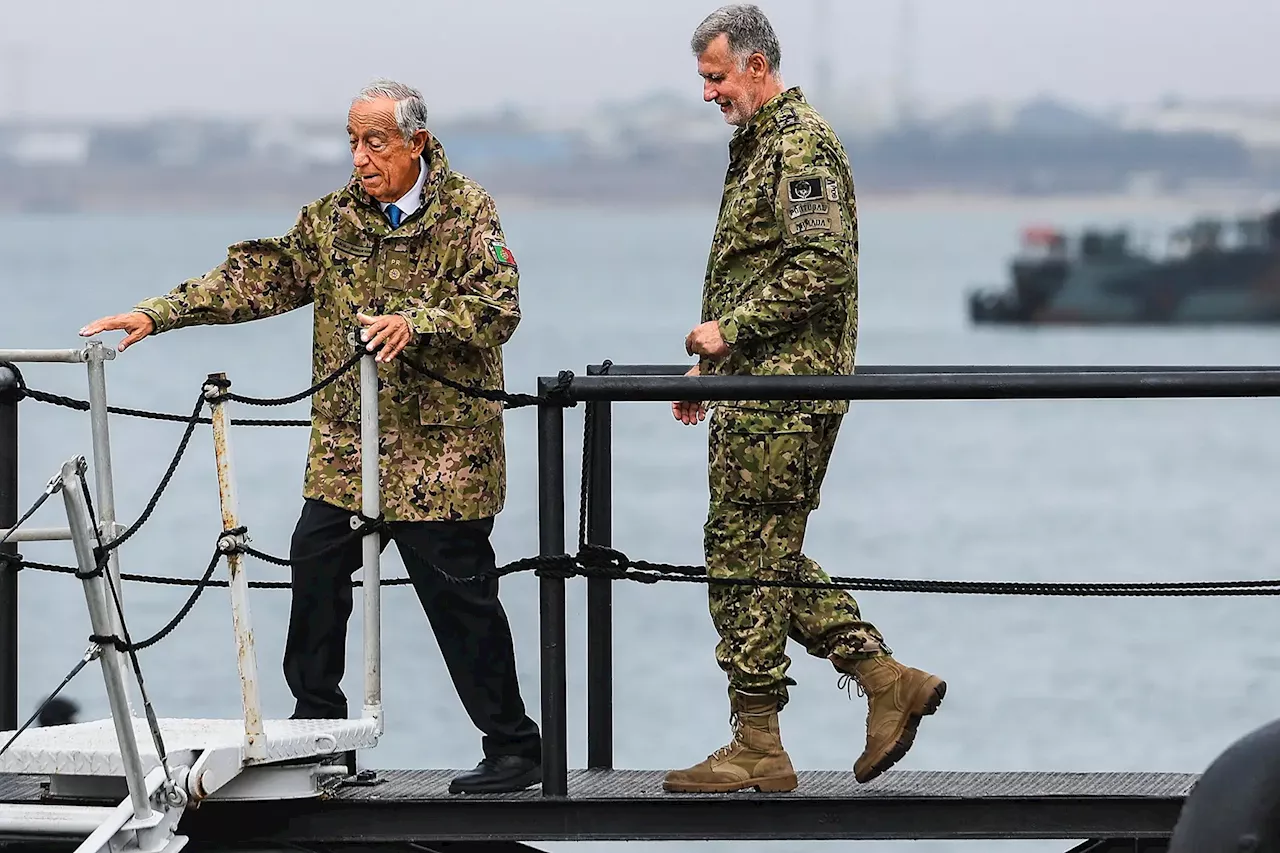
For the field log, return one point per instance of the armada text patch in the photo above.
(812, 205)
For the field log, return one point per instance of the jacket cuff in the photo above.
(160, 310)
(420, 322)
(730, 331)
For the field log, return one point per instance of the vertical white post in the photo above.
(255, 741)
(96, 356)
(370, 506)
(83, 536)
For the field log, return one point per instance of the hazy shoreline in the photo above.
(1188, 204)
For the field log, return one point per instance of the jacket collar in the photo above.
(765, 117)
(366, 213)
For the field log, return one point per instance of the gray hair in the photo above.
(749, 32)
(411, 110)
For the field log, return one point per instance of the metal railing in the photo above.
(215, 393)
(95, 355)
(605, 384)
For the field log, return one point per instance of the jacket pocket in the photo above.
(441, 405)
(760, 458)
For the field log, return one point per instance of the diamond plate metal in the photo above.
(91, 749)
(589, 785)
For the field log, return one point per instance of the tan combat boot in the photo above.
(898, 697)
(753, 759)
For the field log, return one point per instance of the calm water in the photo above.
(1051, 491)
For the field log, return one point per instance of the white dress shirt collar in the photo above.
(411, 200)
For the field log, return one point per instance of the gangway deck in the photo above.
(414, 806)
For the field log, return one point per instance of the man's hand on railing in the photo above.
(689, 412)
(391, 332)
(137, 324)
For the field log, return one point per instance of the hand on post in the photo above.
(137, 324)
(391, 331)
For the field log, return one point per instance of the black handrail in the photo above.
(607, 382)
(1064, 384)
(906, 369)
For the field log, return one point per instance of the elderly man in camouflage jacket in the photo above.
(413, 252)
(780, 297)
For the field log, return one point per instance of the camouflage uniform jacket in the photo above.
(782, 275)
(447, 270)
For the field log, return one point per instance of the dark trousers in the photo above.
(468, 620)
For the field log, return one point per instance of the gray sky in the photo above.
(137, 57)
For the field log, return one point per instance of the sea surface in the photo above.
(1070, 490)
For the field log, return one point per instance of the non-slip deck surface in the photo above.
(631, 805)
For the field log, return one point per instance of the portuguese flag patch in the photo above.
(502, 254)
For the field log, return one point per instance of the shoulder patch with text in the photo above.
(811, 205)
(502, 254)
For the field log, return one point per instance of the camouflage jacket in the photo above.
(447, 270)
(782, 277)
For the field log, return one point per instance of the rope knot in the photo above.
(233, 541)
(557, 567)
(99, 564)
(559, 392)
(11, 562)
(604, 560)
(215, 389)
(112, 640)
(363, 525)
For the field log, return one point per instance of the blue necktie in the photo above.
(394, 214)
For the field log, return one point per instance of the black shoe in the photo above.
(498, 774)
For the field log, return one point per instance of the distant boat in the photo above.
(1214, 272)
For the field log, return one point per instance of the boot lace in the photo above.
(735, 724)
(844, 682)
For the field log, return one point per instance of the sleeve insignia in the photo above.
(501, 253)
(812, 205)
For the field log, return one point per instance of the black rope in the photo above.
(101, 556)
(127, 646)
(292, 398)
(591, 561)
(164, 481)
(367, 526)
(588, 459)
(594, 561)
(25, 392)
(559, 393)
(159, 580)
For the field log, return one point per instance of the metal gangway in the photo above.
(159, 767)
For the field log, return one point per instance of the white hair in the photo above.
(411, 110)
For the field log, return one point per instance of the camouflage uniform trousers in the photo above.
(765, 470)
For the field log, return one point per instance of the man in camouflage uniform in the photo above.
(780, 297)
(413, 252)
